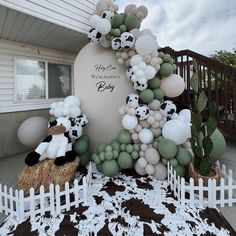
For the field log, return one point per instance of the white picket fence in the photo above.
(54, 201)
(217, 195)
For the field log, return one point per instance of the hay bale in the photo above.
(44, 173)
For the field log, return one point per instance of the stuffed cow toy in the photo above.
(56, 146)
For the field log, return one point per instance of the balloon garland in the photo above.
(153, 132)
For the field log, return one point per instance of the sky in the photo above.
(203, 26)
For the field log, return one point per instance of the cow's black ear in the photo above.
(52, 123)
(127, 99)
(99, 35)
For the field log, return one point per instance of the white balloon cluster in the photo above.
(101, 26)
(139, 72)
(149, 163)
(181, 124)
(70, 107)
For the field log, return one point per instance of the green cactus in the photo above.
(201, 131)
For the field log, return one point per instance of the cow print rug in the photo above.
(125, 205)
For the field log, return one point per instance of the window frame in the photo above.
(47, 101)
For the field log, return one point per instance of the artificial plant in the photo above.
(201, 129)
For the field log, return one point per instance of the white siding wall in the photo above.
(72, 14)
(8, 50)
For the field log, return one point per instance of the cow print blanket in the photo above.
(125, 205)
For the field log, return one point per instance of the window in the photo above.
(40, 80)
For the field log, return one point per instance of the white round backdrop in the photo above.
(102, 86)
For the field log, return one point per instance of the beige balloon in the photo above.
(32, 131)
(93, 65)
(172, 86)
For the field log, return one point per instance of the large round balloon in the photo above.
(129, 122)
(145, 44)
(219, 145)
(172, 86)
(145, 136)
(176, 131)
(160, 171)
(32, 130)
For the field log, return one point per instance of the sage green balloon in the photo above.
(131, 22)
(184, 157)
(116, 33)
(173, 162)
(123, 28)
(158, 94)
(174, 67)
(117, 20)
(102, 156)
(155, 144)
(110, 168)
(135, 155)
(129, 148)
(108, 148)
(180, 170)
(124, 137)
(136, 147)
(94, 156)
(84, 158)
(124, 160)
(97, 160)
(115, 154)
(167, 58)
(100, 148)
(80, 146)
(161, 54)
(146, 95)
(108, 155)
(166, 69)
(122, 147)
(99, 167)
(164, 161)
(219, 145)
(167, 148)
(154, 83)
(116, 145)
(85, 137)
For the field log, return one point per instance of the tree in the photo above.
(228, 58)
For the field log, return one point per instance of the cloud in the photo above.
(202, 26)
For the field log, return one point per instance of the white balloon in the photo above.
(145, 44)
(186, 114)
(59, 112)
(51, 111)
(145, 136)
(142, 65)
(150, 169)
(60, 104)
(176, 131)
(172, 86)
(129, 122)
(53, 105)
(66, 111)
(105, 43)
(149, 32)
(142, 162)
(139, 170)
(32, 130)
(135, 60)
(74, 112)
(150, 72)
(103, 26)
(160, 171)
(72, 100)
(94, 20)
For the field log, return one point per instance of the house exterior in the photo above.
(39, 41)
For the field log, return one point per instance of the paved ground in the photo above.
(10, 168)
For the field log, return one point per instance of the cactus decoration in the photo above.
(201, 130)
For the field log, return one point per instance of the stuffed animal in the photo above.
(56, 146)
